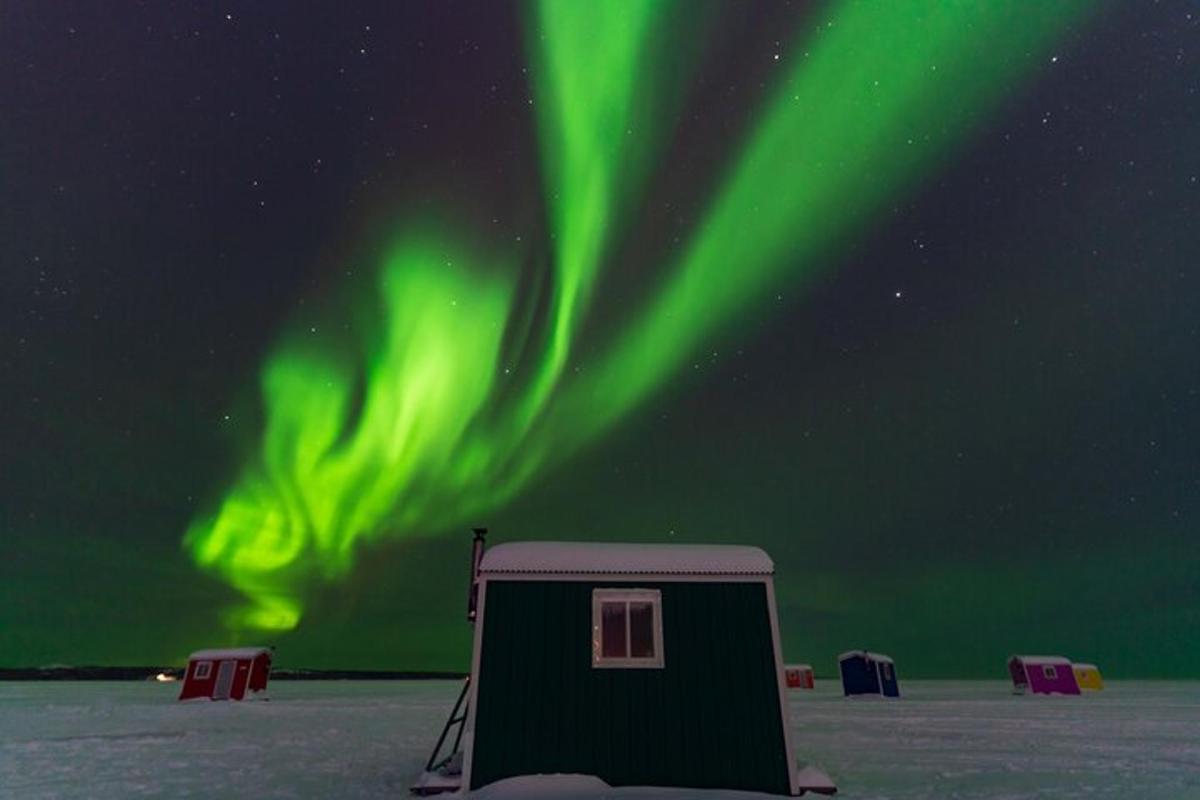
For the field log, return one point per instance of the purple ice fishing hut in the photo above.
(1042, 675)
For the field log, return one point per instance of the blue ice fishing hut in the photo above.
(864, 672)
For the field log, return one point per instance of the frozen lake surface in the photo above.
(326, 739)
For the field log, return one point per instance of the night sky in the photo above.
(958, 402)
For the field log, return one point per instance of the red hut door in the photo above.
(224, 680)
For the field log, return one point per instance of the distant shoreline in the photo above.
(149, 673)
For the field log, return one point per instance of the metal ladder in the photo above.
(456, 718)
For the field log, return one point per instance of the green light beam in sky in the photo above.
(420, 453)
(420, 432)
(878, 96)
(331, 467)
(602, 94)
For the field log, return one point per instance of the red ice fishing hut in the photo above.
(232, 674)
(799, 676)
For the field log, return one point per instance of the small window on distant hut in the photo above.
(1050, 672)
(627, 628)
(203, 670)
(886, 668)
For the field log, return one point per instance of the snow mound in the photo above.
(567, 786)
(589, 787)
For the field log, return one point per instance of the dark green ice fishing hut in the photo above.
(644, 665)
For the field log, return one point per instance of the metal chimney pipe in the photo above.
(477, 547)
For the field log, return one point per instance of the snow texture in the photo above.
(596, 558)
(332, 739)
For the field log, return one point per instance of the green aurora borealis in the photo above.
(550, 383)
(438, 440)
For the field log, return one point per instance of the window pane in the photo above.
(612, 630)
(641, 630)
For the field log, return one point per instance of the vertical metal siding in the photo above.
(709, 719)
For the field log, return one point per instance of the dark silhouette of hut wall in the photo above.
(710, 717)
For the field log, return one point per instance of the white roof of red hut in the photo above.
(228, 653)
(612, 558)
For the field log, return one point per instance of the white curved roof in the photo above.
(232, 652)
(634, 559)
(870, 656)
(1043, 660)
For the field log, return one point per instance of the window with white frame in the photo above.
(627, 628)
(1050, 672)
(203, 670)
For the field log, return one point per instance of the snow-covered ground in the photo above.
(320, 739)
